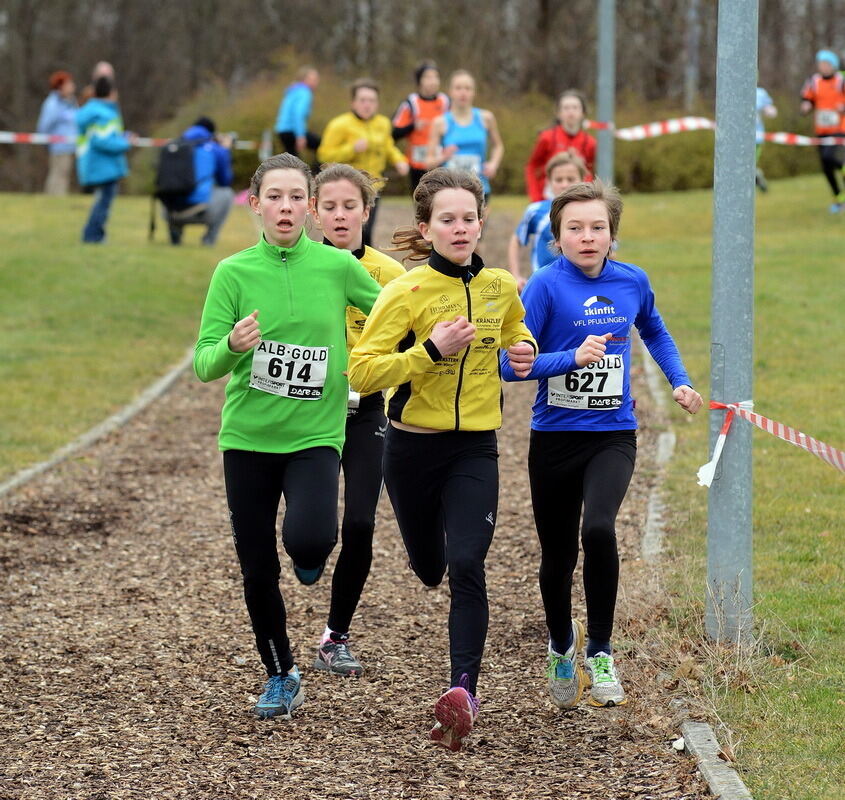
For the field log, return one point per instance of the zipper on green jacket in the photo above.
(466, 279)
(284, 258)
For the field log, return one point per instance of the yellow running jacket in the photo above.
(458, 392)
(342, 132)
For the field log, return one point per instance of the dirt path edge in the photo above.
(101, 429)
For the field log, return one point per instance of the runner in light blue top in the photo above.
(466, 137)
(562, 170)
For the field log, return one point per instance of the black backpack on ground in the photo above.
(175, 178)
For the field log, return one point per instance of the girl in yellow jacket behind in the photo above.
(434, 335)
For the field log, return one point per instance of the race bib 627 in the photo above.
(598, 386)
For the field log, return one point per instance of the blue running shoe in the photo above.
(308, 577)
(566, 678)
(282, 695)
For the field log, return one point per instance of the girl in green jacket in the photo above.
(275, 318)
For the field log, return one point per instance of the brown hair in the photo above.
(573, 93)
(566, 158)
(363, 83)
(582, 193)
(303, 72)
(430, 184)
(368, 184)
(281, 161)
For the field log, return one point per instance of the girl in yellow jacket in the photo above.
(344, 197)
(434, 335)
(363, 138)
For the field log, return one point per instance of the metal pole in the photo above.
(729, 547)
(606, 88)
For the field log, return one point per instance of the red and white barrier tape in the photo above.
(683, 124)
(633, 134)
(828, 454)
(10, 137)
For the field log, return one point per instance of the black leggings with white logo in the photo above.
(255, 483)
(571, 470)
(361, 463)
(444, 488)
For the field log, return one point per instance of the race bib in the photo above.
(419, 153)
(827, 118)
(289, 370)
(597, 387)
(466, 161)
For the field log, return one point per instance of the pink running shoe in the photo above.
(455, 712)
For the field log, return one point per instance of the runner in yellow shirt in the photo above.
(362, 138)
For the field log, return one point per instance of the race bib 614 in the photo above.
(289, 370)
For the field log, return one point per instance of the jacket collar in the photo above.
(274, 253)
(446, 267)
(576, 270)
(359, 253)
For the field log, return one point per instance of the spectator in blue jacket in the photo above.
(212, 197)
(294, 111)
(58, 118)
(100, 155)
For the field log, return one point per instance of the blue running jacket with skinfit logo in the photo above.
(562, 307)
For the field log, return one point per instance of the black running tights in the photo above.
(255, 483)
(444, 488)
(831, 158)
(361, 463)
(571, 470)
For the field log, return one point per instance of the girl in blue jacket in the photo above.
(583, 446)
(100, 155)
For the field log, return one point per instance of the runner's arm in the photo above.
(403, 121)
(394, 155)
(513, 262)
(337, 145)
(361, 289)
(497, 151)
(659, 341)
(212, 356)
(301, 112)
(374, 362)
(433, 158)
(537, 305)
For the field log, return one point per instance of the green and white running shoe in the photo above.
(605, 686)
(566, 678)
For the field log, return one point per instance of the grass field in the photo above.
(87, 327)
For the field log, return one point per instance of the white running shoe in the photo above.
(605, 686)
(566, 678)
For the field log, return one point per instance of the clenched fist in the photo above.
(246, 334)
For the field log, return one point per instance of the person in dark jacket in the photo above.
(212, 197)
